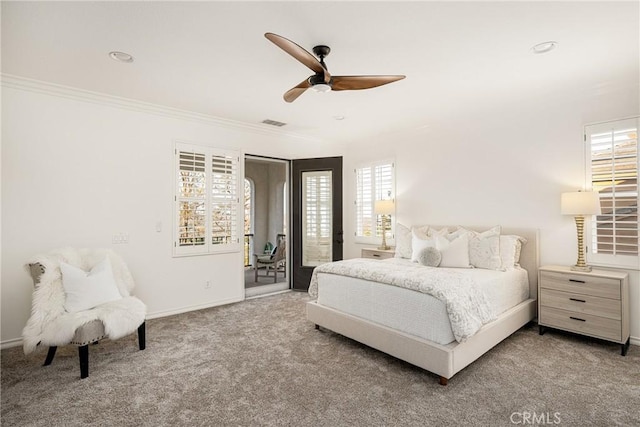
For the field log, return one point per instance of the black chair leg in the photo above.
(50, 354)
(83, 353)
(142, 336)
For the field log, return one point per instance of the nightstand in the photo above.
(375, 253)
(593, 303)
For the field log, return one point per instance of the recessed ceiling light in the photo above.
(338, 117)
(121, 56)
(544, 47)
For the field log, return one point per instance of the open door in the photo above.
(316, 216)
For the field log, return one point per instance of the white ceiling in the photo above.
(213, 58)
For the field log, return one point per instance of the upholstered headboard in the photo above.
(529, 257)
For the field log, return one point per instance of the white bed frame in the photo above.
(443, 360)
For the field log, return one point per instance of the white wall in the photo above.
(505, 166)
(78, 168)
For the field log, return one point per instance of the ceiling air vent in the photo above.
(273, 123)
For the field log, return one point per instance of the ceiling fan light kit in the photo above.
(322, 80)
(321, 87)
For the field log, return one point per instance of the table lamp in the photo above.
(580, 204)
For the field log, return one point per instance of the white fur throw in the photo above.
(51, 325)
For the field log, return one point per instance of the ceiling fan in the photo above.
(322, 81)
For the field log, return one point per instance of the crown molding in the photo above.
(67, 92)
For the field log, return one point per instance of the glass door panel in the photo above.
(317, 218)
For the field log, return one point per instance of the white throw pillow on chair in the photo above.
(86, 290)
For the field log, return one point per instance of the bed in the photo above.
(414, 326)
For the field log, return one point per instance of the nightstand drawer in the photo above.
(580, 303)
(374, 253)
(582, 323)
(582, 284)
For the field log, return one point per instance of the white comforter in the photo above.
(466, 303)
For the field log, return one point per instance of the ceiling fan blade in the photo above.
(299, 53)
(362, 82)
(295, 92)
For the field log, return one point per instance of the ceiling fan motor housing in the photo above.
(318, 79)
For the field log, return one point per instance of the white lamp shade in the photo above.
(580, 203)
(384, 207)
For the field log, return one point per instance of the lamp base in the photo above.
(585, 268)
(384, 248)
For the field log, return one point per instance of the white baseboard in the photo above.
(158, 314)
(11, 343)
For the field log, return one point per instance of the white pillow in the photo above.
(484, 249)
(87, 290)
(418, 243)
(432, 232)
(454, 253)
(510, 248)
(403, 241)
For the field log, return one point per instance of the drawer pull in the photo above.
(577, 281)
(577, 300)
(376, 255)
(577, 318)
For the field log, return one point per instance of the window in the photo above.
(207, 200)
(612, 162)
(373, 182)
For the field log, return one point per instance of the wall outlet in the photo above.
(207, 284)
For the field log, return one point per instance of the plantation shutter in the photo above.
(613, 165)
(191, 200)
(317, 218)
(373, 182)
(364, 202)
(207, 200)
(225, 199)
(383, 189)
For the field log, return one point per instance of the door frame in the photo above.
(301, 274)
(286, 213)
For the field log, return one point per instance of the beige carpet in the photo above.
(260, 363)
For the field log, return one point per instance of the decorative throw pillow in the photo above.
(510, 248)
(418, 243)
(403, 241)
(85, 290)
(484, 248)
(454, 253)
(430, 257)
